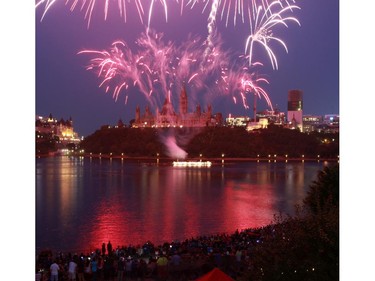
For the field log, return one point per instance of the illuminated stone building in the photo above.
(61, 130)
(167, 117)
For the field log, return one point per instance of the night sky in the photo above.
(66, 89)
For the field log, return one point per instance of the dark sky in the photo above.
(66, 89)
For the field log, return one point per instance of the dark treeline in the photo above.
(213, 142)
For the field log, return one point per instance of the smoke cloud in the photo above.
(175, 139)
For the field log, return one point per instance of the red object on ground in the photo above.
(215, 275)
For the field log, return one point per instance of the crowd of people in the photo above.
(185, 260)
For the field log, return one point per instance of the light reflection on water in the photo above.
(81, 203)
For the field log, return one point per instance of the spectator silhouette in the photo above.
(103, 249)
(109, 248)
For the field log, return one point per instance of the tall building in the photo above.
(295, 108)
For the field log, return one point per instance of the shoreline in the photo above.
(253, 232)
(215, 160)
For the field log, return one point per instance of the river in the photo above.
(83, 202)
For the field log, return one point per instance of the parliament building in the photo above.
(167, 117)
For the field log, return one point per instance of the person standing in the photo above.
(128, 267)
(100, 266)
(94, 269)
(162, 267)
(81, 269)
(120, 269)
(109, 248)
(175, 263)
(72, 270)
(54, 269)
(103, 249)
(87, 270)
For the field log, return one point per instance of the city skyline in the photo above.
(65, 88)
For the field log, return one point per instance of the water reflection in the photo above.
(82, 203)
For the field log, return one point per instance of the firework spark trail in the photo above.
(262, 16)
(48, 5)
(236, 9)
(240, 80)
(158, 70)
(229, 8)
(211, 27)
(88, 6)
(261, 25)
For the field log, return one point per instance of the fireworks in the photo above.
(121, 6)
(262, 16)
(241, 81)
(261, 24)
(158, 69)
(234, 10)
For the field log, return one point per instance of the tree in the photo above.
(324, 192)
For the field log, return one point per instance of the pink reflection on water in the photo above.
(105, 226)
(82, 206)
(243, 209)
(176, 211)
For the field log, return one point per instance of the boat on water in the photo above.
(192, 164)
